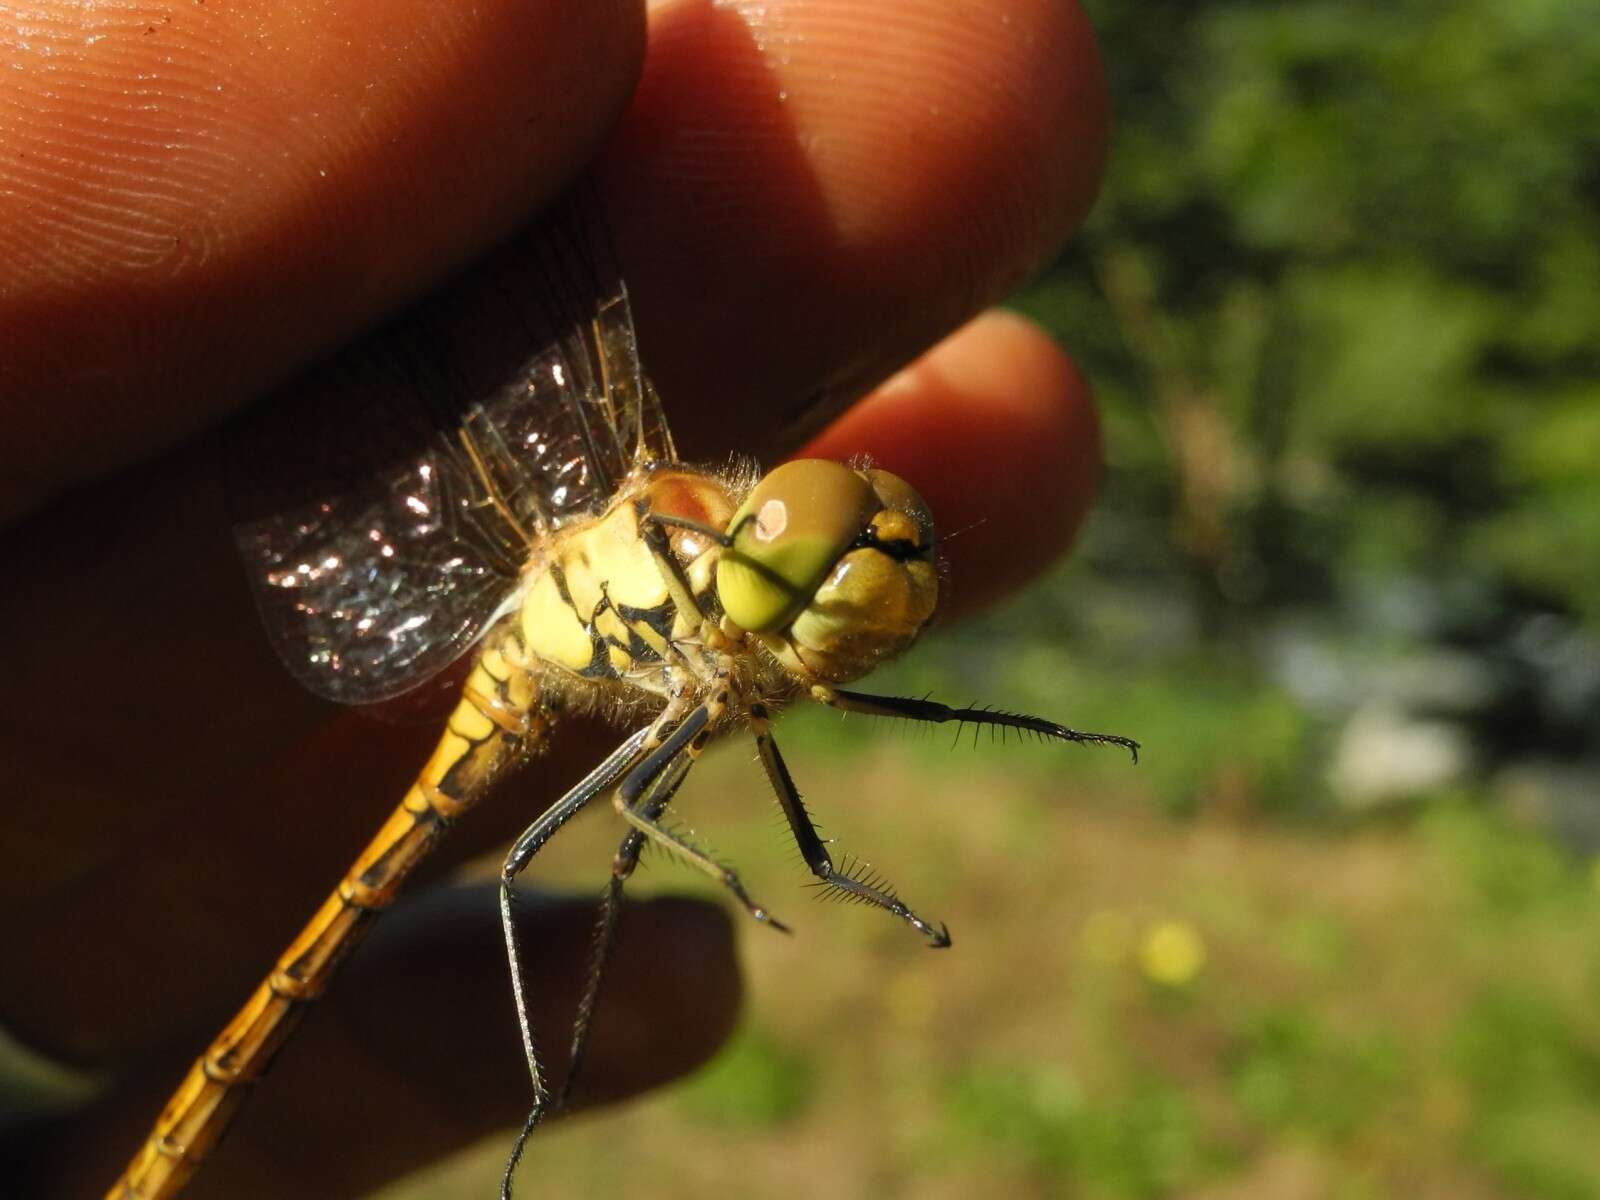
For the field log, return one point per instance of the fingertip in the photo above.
(997, 428)
(670, 996)
(195, 202)
(809, 192)
(675, 995)
(414, 1054)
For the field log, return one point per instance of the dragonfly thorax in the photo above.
(830, 567)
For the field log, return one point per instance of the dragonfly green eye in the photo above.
(880, 593)
(834, 566)
(791, 529)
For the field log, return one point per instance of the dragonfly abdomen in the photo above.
(500, 719)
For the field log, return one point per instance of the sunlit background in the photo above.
(1336, 935)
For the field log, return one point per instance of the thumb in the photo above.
(414, 1054)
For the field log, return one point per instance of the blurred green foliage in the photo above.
(1403, 1010)
(1144, 1141)
(754, 1083)
(1341, 299)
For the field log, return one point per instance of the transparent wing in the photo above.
(388, 500)
(371, 592)
(548, 461)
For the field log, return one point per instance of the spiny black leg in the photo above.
(651, 804)
(872, 889)
(652, 529)
(706, 531)
(725, 540)
(521, 854)
(698, 726)
(936, 713)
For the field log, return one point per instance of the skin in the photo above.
(803, 204)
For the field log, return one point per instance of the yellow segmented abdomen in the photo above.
(498, 720)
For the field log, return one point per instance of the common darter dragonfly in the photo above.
(525, 504)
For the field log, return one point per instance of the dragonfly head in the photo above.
(834, 561)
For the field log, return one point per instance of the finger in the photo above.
(416, 1054)
(809, 193)
(998, 429)
(265, 177)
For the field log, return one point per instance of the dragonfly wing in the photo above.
(636, 408)
(556, 459)
(388, 500)
(370, 593)
(558, 438)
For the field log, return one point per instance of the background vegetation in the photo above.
(1335, 936)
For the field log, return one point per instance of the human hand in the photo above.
(805, 195)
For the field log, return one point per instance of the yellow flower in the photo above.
(1172, 953)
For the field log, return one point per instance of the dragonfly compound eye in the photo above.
(790, 530)
(839, 559)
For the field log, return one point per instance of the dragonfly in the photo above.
(511, 496)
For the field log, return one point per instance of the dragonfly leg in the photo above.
(708, 532)
(629, 803)
(533, 839)
(651, 804)
(678, 588)
(935, 713)
(855, 883)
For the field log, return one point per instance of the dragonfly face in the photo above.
(831, 566)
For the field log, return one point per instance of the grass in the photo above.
(1136, 1005)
